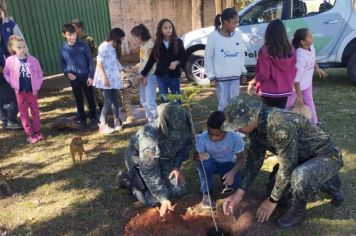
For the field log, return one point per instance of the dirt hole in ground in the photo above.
(189, 218)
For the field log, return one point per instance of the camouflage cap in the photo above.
(174, 121)
(240, 112)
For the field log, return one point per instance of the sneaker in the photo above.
(105, 129)
(39, 136)
(31, 139)
(205, 203)
(13, 125)
(118, 125)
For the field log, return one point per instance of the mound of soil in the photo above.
(189, 218)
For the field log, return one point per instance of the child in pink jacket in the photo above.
(23, 72)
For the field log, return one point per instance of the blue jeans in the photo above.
(165, 83)
(212, 167)
(111, 99)
(148, 97)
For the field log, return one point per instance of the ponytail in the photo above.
(217, 21)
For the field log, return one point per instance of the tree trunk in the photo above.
(218, 7)
(197, 14)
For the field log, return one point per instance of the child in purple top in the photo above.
(275, 68)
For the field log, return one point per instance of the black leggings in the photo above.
(110, 99)
(275, 102)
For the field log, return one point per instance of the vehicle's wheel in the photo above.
(351, 68)
(194, 70)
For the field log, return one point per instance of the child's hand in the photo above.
(143, 81)
(71, 76)
(299, 101)
(173, 65)
(229, 177)
(251, 89)
(106, 82)
(89, 82)
(203, 156)
(321, 73)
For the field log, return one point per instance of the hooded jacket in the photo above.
(275, 76)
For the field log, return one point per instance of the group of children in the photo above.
(159, 65)
(87, 67)
(284, 72)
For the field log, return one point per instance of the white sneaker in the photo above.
(118, 126)
(105, 129)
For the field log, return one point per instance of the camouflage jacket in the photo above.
(288, 135)
(156, 156)
(91, 43)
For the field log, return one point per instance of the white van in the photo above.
(332, 22)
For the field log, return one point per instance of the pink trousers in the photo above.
(307, 95)
(26, 101)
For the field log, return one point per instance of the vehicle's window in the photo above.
(263, 12)
(302, 8)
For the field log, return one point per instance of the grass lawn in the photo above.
(56, 198)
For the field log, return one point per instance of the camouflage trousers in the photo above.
(149, 200)
(139, 189)
(313, 175)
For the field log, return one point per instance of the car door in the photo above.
(253, 24)
(324, 18)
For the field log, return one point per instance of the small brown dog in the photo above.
(4, 183)
(77, 148)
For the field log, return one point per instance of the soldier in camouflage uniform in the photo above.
(155, 155)
(308, 160)
(79, 26)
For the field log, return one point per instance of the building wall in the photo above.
(126, 14)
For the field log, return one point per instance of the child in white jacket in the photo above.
(225, 57)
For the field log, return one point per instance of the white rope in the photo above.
(201, 162)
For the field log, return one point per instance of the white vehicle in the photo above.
(332, 22)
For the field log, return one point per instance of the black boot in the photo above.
(123, 179)
(333, 188)
(294, 216)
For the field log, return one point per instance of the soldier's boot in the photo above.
(123, 179)
(294, 216)
(333, 188)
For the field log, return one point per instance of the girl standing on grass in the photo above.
(275, 68)
(107, 78)
(225, 57)
(303, 82)
(148, 85)
(23, 72)
(168, 53)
